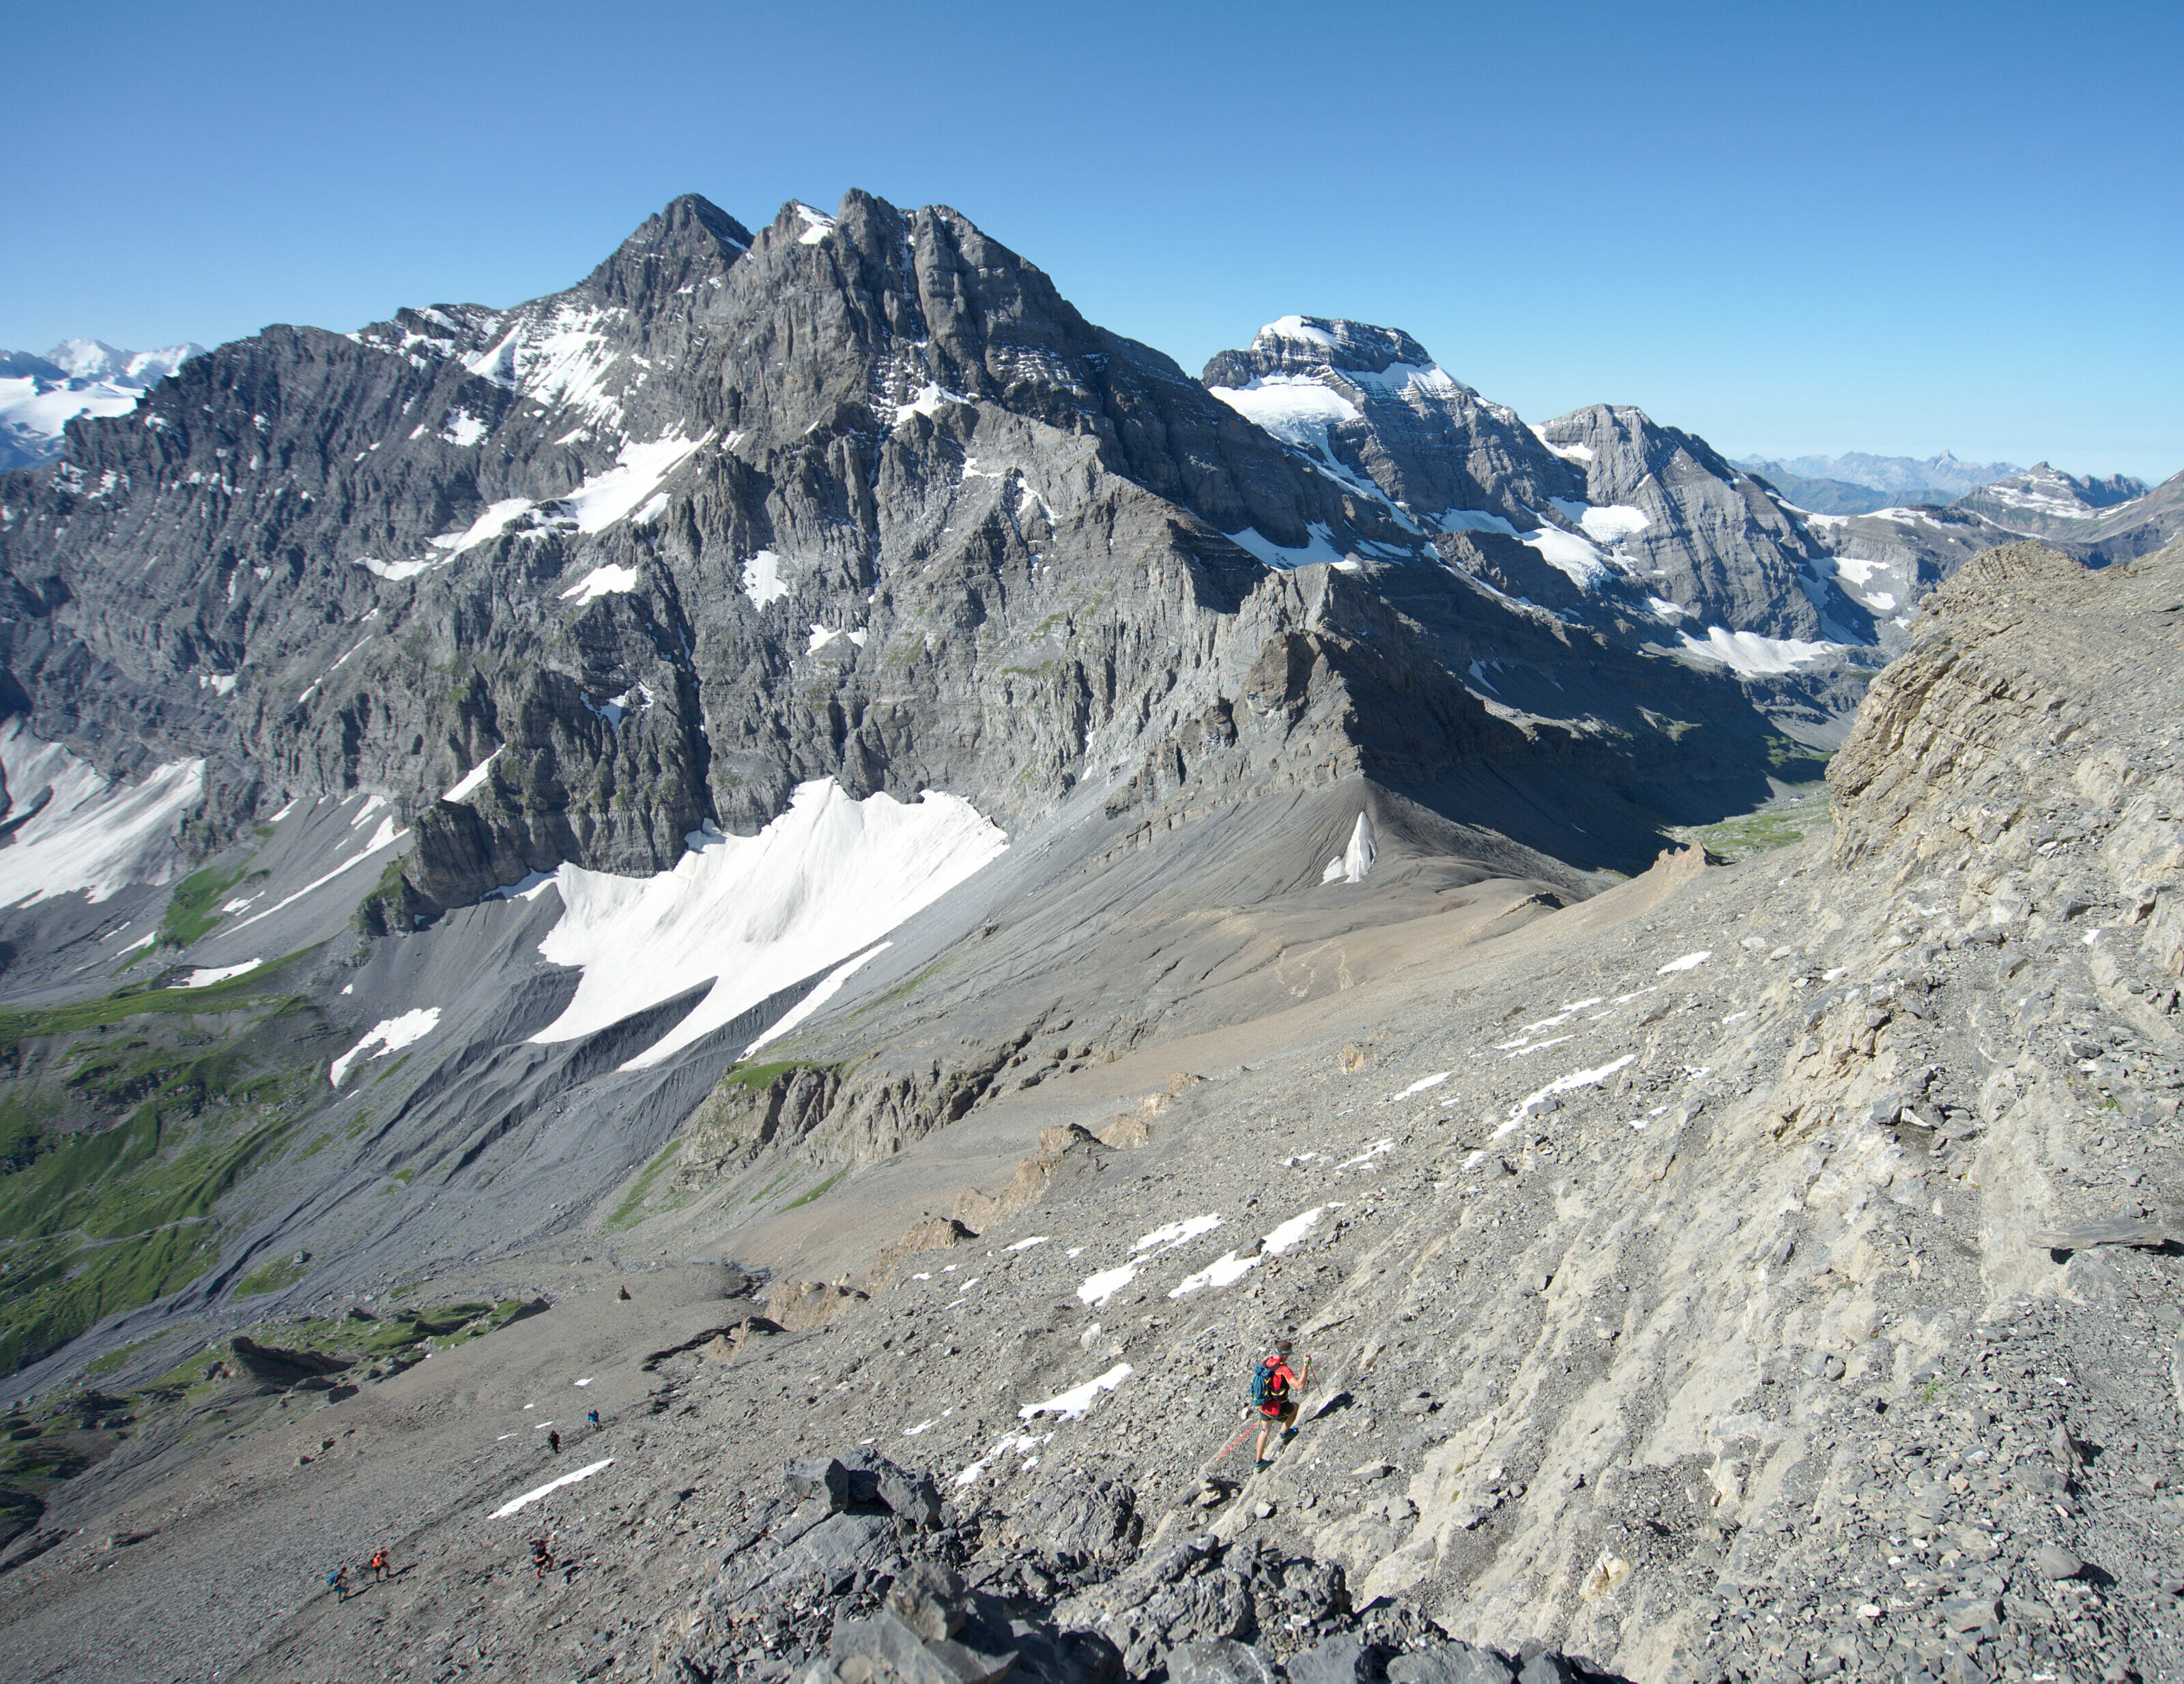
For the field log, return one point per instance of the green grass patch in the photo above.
(190, 913)
(1794, 763)
(759, 1077)
(276, 1276)
(1777, 825)
(819, 1191)
(626, 1213)
(315, 1147)
(119, 1148)
(237, 993)
(99, 1367)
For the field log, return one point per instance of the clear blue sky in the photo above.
(1788, 227)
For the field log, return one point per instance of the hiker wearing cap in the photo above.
(1274, 1388)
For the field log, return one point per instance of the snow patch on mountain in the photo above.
(1610, 524)
(754, 915)
(762, 580)
(472, 781)
(390, 1035)
(1752, 654)
(74, 830)
(606, 580)
(1568, 553)
(1352, 865)
(558, 357)
(1320, 550)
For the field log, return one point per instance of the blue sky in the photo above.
(1787, 227)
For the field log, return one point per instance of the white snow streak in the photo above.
(1073, 1402)
(1576, 1080)
(474, 780)
(1748, 652)
(810, 1004)
(1174, 1234)
(1355, 860)
(1688, 962)
(532, 1496)
(605, 580)
(762, 580)
(1097, 1289)
(205, 979)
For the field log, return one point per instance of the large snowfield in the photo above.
(87, 833)
(754, 915)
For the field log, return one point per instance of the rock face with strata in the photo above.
(1721, 546)
(859, 496)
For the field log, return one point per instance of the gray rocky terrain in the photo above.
(325, 656)
(802, 849)
(1757, 1272)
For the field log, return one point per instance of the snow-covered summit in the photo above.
(1370, 406)
(2047, 494)
(95, 360)
(1308, 344)
(39, 396)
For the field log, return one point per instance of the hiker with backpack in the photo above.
(1275, 1387)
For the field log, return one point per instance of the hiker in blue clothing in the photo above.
(1274, 1388)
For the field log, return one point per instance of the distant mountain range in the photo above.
(39, 396)
(1858, 482)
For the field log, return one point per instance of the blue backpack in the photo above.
(1265, 1387)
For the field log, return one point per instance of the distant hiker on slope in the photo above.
(554, 1443)
(1274, 1388)
(380, 1569)
(337, 1582)
(541, 1554)
(593, 1416)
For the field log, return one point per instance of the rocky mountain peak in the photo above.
(689, 243)
(1370, 406)
(2045, 502)
(1305, 345)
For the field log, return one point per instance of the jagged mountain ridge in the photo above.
(883, 423)
(1627, 521)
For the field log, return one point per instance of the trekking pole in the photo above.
(1235, 1442)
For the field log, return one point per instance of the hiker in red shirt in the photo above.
(1274, 1388)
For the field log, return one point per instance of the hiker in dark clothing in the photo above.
(554, 1443)
(541, 1554)
(1274, 1388)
